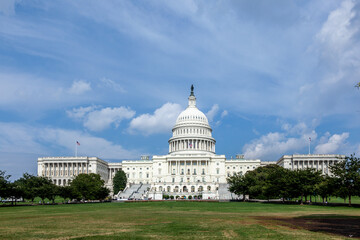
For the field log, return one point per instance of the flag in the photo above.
(77, 143)
(310, 139)
(190, 145)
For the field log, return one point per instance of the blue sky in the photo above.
(114, 75)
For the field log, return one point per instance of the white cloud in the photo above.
(212, 112)
(333, 144)
(25, 139)
(98, 119)
(337, 31)
(161, 121)
(274, 144)
(79, 87)
(108, 83)
(224, 113)
(80, 113)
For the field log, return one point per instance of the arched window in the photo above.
(209, 188)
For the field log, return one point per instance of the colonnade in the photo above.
(112, 172)
(189, 167)
(185, 188)
(64, 169)
(322, 165)
(192, 144)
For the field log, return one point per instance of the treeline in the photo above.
(275, 182)
(82, 187)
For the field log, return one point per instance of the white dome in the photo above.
(192, 115)
(192, 132)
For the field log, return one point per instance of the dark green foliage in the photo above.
(325, 188)
(67, 192)
(119, 181)
(4, 185)
(273, 182)
(89, 187)
(28, 184)
(305, 181)
(45, 188)
(347, 177)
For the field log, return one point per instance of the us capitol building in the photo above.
(190, 168)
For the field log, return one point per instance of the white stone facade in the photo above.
(317, 161)
(190, 168)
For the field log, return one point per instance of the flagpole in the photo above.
(76, 149)
(309, 145)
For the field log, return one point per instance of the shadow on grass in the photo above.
(348, 226)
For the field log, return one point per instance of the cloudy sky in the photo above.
(114, 75)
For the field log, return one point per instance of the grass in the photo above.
(164, 220)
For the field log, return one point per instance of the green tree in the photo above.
(347, 176)
(119, 181)
(28, 184)
(89, 186)
(238, 185)
(45, 188)
(278, 183)
(67, 192)
(325, 188)
(4, 185)
(305, 181)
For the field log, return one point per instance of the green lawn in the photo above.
(167, 220)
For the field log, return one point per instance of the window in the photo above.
(173, 180)
(217, 171)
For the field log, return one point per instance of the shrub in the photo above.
(172, 197)
(177, 196)
(190, 197)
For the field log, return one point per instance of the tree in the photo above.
(67, 192)
(119, 181)
(28, 184)
(238, 185)
(305, 181)
(347, 176)
(278, 183)
(325, 188)
(89, 186)
(4, 185)
(358, 85)
(45, 188)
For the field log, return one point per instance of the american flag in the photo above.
(310, 139)
(77, 143)
(190, 144)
